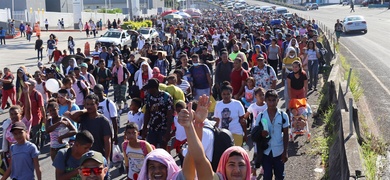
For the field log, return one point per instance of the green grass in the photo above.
(354, 84)
(322, 143)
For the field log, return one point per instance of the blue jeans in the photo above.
(313, 73)
(270, 163)
(200, 92)
(155, 138)
(2, 39)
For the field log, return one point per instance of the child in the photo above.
(134, 115)
(255, 109)
(134, 151)
(67, 84)
(24, 155)
(180, 135)
(248, 96)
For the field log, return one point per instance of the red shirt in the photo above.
(236, 78)
(56, 55)
(36, 100)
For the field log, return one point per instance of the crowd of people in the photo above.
(200, 79)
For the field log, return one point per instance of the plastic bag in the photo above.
(212, 104)
(117, 155)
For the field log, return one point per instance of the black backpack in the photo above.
(84, 91)
(223, 139)
(261, 142)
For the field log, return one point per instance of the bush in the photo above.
(136, 25)
(110, 11)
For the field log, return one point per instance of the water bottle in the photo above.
(43, 128)
(245, 146)
(264, 122)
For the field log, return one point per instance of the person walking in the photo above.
(46, 24)
(80, 25)
(2, 35)
(39, 47)
(86, 28)
(338, 29)
(22, 30)
(352, 7)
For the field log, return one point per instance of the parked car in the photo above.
(355, 23)
(314, 6)
(114, 37)
(281, 10)
(307, 5)
(345, 3)
(148, 33)
(288, 15)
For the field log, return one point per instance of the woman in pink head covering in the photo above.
(159, 164)
(234, 162)
(158, 75)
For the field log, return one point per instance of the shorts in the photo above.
(178, 144)
(50, 52)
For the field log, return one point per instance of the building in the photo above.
(100, 4)
(20, 8)
(65, 6)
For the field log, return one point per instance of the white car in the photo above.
(148, 33)
(355, 23)
(114, 37)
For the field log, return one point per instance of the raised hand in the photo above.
(202, 110)
(186, 116)
(26, 88)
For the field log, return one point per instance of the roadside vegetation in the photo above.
(371, 146)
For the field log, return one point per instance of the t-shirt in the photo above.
(8, 86)
(180, 134)
(59, 131)
(69, 165)
(51, 43)
(79, 94)
(101, 75)
(184, 85)
(10, 137)
(99, 127)
(262, 78)
(249, 94)
(176, 93)
(255, 110)
(297, 83)
(229, 115)
(137, 118)
(36, 101)
(236, 78)
(136, 160)
(22, 160)
(158, 106)
(102, 109)
(199, 76)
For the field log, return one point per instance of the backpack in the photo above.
(220, 45)
(84, 91)
(252, 71)
(223, 139)
(142, 144)
(261, 142)
(108, 109)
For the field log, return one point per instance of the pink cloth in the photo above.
(163, 157)
(158, 75)
(119, 71)
(225, 157)
(10, 137)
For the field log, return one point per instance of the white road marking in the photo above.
(368, 69)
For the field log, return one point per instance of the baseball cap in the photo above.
(18, 125)
(152, 83)
(84, 65)
(97, 156)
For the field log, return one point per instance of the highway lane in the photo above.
(367, 53)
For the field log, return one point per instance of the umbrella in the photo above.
(183, 14)
(168, 12)
(173, 16)
(65, 60)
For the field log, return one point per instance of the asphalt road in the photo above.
(367, 53)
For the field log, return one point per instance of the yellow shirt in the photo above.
(287, 61)
(176, 93)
